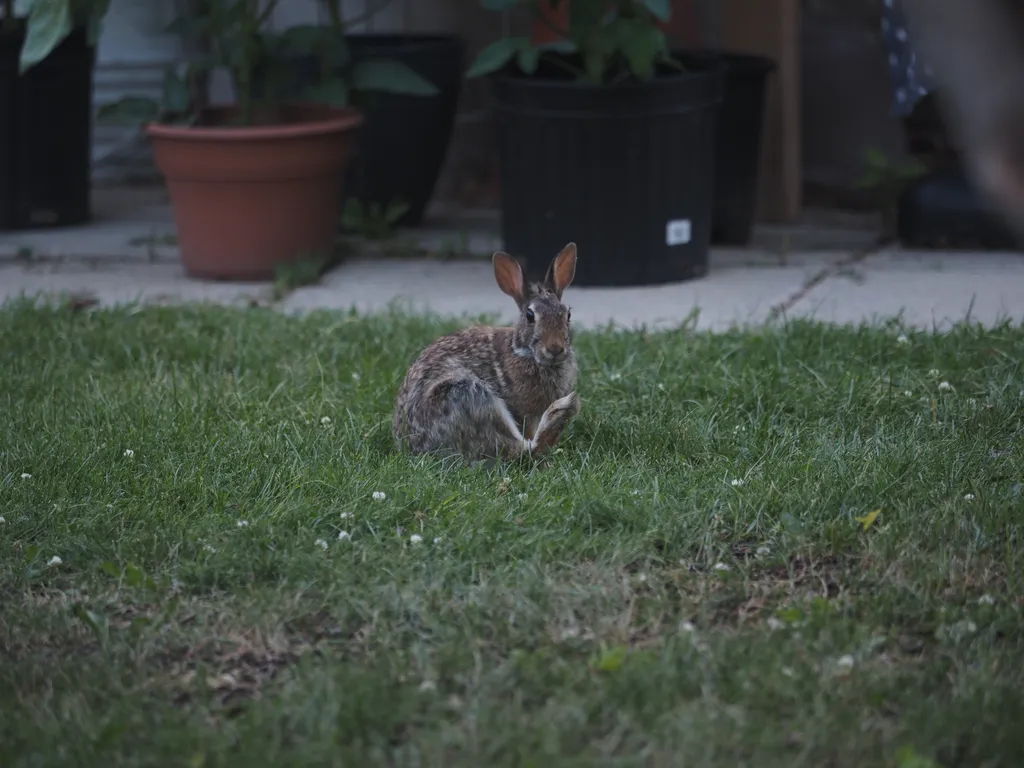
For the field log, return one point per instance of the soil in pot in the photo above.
(46, 134)
(624, 171)
(248, 199)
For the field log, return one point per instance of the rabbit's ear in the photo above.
(562, 270)
(509, 275)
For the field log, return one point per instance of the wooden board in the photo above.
(772, 28)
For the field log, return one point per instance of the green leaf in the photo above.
(499, 5)
(333, 91)
(595, 63)
(611, 658)
(390, 76)
(396, 210)
(97, 622)
(869, 519)
(496, 55)
(49, 23)
(351, 217)
(305, 39)
(177, 98)
(529, 58)
(641, 44)
(135, 110)
(660, 8)
(111, 569)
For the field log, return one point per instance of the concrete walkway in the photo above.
(129, 254)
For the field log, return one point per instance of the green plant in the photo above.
(341, 78)
(886, 180)
(232, 35)
(373, 221)
(606, 42)
(48, 22)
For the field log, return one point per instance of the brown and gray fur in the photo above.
(497, 393)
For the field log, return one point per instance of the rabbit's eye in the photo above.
(568, 315)
(530, 316)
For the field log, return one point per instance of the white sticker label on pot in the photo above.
(677, 232)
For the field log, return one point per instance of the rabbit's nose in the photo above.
(556, 350)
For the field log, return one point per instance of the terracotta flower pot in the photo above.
(247, 199)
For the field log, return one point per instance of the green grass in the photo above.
(684, 583)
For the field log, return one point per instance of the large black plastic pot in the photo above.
(46, 135)
(737, 161)
(625, 171)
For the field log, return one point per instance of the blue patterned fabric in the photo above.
(911, 77)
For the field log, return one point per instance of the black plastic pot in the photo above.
(46, 135)
(405, 139)
(626, 171)
(737, 161)
(943, 210)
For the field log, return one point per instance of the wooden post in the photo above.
(772, 28)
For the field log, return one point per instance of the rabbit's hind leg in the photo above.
(554, 421)
(470, 419)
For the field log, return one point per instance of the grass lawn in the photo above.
(791, 547)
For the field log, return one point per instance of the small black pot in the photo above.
(46, 135)
(737, 161)
(624, 171)
(405, 139)
(943, 210)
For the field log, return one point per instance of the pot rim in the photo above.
(340, 119)
(712, 68)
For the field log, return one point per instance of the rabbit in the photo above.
(497, 393)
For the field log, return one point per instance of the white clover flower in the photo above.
(763, 551)
(209, 548)
(321, 543)
(342, 535)
(738, 482)
(787, 671)
(722, 567)
(379, 496)
(661, 387)
(26, 476)
(845, 663)
(428, 686)
(242, 523)
(968, 497)
(415, 539)
(907, 393)
(55, 560)
(355, 376)
(902, 339)
(522, 496)
(687, 626)
(129, 453)
(2, 520)
(774, 623)
(986, 600)
(345, 515)
(325, 421)
(945, 386)
(934, 373)
(437, 539)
